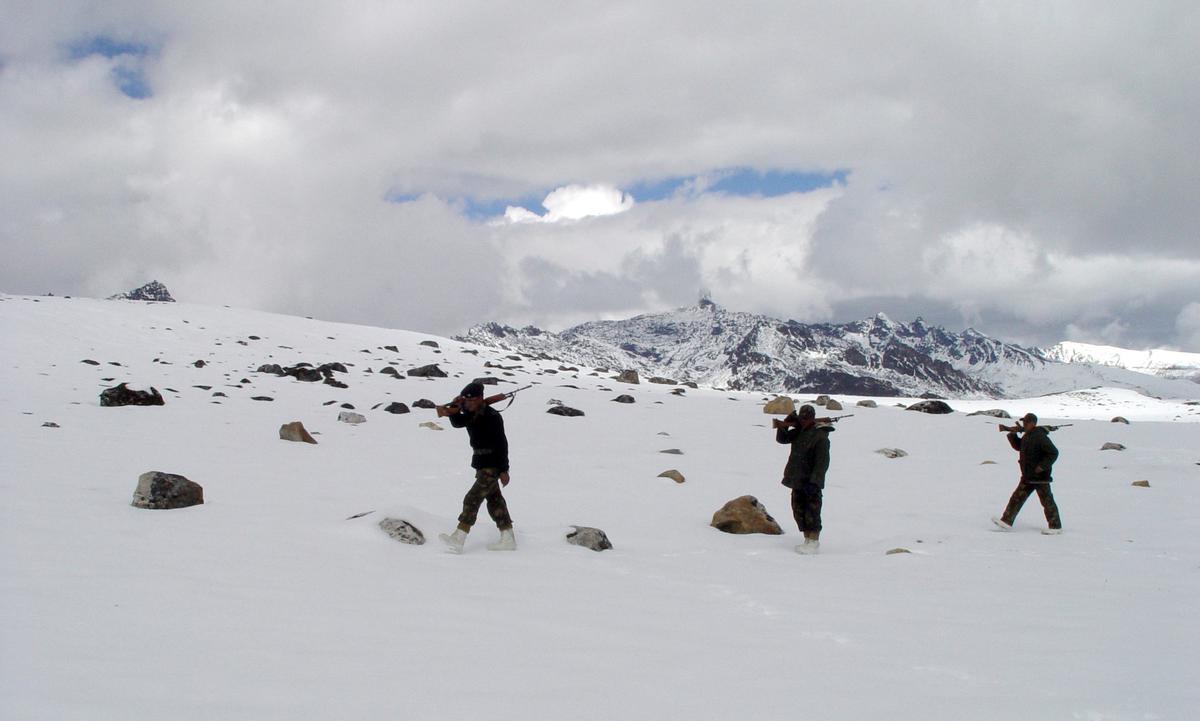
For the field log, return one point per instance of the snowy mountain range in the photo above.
(711, 345)
(1162, 363)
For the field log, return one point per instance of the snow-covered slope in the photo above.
(270, 602)
(713, 346)
(1162, 363)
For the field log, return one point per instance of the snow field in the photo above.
(266, 603)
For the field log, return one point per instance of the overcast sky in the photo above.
(1028, 168)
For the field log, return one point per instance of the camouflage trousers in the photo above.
(1022, 493)
(806, 508)
(486, 488)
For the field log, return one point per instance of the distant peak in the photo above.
(707, 303)
(882, 318)
(153, 291)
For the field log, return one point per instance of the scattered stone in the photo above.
(678, 392)
(402, 531)
(993, 412)
(392, 348)
(296, 432)
(832, 405)
(1119, 419)
(892, 452)
(690, 384)
(50, 424)
(1110, 446)
(203, 388)
(158, 490)
(672, 451)
(1141, 484)
(430, 343)
(564, 411)
(219, 394)
(867, 404)
(429, 371)
(331, 381)
(90, 362)
(628, 376)
(821, 400)
(745, 515)
(487, 381)
(432, 426)
(397, 408)
(588, 537)
(390, 371)
(348, 406)
(424, 403)
(199, 364)
(987, 463)
(359, 515)
(624, 399)
(931, 406)
(120, 395)
(351, 418)
(662, 381)
(673, 474)
(894, 551)
(780, 406)
(261, 398)
(554, 402)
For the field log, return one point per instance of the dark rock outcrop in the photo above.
(120, 395)
(158, 490)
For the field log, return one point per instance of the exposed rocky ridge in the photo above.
(153, 291)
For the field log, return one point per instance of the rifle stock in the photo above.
(455, 405)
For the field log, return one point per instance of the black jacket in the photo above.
(1037, 452)
(489, 445)
(809, 459)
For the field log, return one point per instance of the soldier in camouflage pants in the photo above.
(486, 488)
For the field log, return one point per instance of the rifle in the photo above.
(1019, 429)
(793, 420)
(455, 405)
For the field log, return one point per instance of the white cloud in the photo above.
(574, 202)
(1188, 325)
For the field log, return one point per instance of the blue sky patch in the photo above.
(128, 75)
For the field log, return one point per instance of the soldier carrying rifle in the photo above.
(805, 470)
(1038, 454)
(489, 458)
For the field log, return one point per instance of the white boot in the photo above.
(454, 541)
(1001, 524)
(507, 542)
(809, 547)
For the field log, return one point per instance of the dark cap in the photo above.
(472, 390)
(807, 411)
(1029, 417)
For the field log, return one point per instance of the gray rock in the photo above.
(1141, 484)
(261, 398)
(821, 400)
(396, 407)
(389, 371)
(780, 406)
(629, 376)
(931, 406)
(588, 537)
(296, 432)
(487, 381)
(1110, 446)
(158, 490)
(430, 343)
(993, 412)
(662, 381)
(431, 426)
(895, 551)
(867, 404)
(50, 424)
(564, 411)
(832, 405)
(672, 451)
(429, 371)
(402, 531)
(892, 452)
(624, 399)
(1119, 419)
(424, 403)
(351, 417)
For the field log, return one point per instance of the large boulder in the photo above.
(158, 490)
(120, 395)
(624, 399)
(396, 407)
(588, 537)
(745, 515)
(931, 406)
(821, 400)
(429, 371)
(424, 403)
(351, 417)
(564, 411)
(629, 376)
(295, 431)
(780, 406)
(832, 405)
(867, 403)
(402, 531)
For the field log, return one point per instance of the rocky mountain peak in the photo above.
(152, 291)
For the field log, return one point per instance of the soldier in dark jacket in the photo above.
(1038, 454)
(489, 458)
(805, 471)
